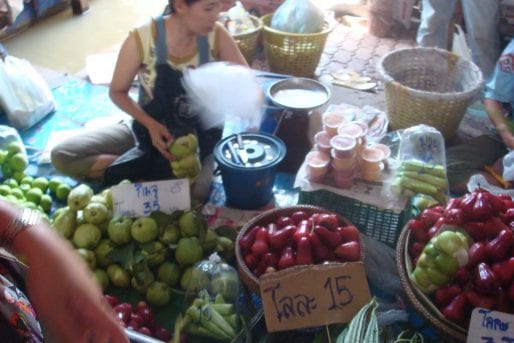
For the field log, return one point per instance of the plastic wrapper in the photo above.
(298, 16)
(421, 165)
(238, 20)
(222, 92)
(508, 166)
(212, 298)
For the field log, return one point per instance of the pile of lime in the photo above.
(23, 190)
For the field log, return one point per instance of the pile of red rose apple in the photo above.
(299, 239)
(486, 280)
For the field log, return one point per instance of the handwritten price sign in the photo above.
(141, 199)
(316, 295)
(488, 326)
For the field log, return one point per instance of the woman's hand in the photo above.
(66, 298)
(161, 138)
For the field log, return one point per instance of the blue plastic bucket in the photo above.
(248, 172)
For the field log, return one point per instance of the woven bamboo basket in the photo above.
(247, 42)
(245, 274)
(293, 53)
(450, 330)
(428, 86)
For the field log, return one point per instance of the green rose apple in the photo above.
(119, 229)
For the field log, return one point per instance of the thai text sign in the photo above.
(308, 296)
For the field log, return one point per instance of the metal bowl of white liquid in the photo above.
(301, 94)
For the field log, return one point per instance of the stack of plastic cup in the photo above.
(355, 129)
(317, 165)
(331, 122)
(322, 142)
(371, 161)
(344, 162)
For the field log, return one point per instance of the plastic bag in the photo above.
(239, 20)
(224, 93)
(298, 16)
(508, 166)
(422, 164)
(24, 94)
(212, 297)
(460, 45)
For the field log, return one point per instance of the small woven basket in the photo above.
(294, 54)
(450, 330)
(246, 275)
(428, 86)
(247, 42)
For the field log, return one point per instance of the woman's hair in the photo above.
(170, 9)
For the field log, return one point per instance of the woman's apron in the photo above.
(170, 107)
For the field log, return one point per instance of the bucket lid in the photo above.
(250, 150)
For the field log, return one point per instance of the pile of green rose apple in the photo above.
(27, 191)
(151, 255)
(463, 254)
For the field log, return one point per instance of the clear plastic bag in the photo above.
(212, 300)
(421, 167)
(24, 94)
(298, 16)
(239, 20)
(508, 166)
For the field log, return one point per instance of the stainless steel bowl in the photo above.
(298, 93)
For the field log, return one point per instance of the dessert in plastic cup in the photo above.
(344, 146)
(372, 156)
(372, 174)
(353, 129)
(331, 121)
(342, 163)
(317, 165)
(343, 179)
(322, 142)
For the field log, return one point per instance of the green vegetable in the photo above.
(363, 327)
(421, 167)
(211, 320)
(439, 182)
(417, 186)
(440, 260)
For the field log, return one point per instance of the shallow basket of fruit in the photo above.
(454, 258)
(293, 236)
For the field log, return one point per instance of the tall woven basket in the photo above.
(247, 42)
(428, 86)
(293, 53)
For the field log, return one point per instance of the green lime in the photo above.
(27, 180)
(14, 147)
(5, 190)
(18, 176)
(62, 192)
(34, 195)
(3, 156)
(40, 182)
(46, 202)
(53, 183)
(25, 187)
(18, 162)
(18, 193)
(7, 170)
(11, 182)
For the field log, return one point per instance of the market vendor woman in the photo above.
(158, 52)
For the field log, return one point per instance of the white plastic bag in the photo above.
(298, 16)
(508, 166)
(224, 93)
(460, 45)
(24, 94)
